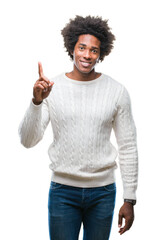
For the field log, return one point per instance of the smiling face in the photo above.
(86, 53)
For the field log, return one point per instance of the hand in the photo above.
(42, 87)
(127, 212)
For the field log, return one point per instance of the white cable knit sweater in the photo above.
(82, 115)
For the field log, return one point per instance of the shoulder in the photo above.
(114, 83)
(115, 86)
(120, 91)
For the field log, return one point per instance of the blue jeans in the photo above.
(69, 206)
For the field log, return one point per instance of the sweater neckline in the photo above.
(83, 82)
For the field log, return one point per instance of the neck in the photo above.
(77, 75)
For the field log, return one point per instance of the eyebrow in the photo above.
(86, 45)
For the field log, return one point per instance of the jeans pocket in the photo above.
(110, 187)
(55, 185)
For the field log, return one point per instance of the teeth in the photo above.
(85, 64)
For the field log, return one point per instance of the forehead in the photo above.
(89, 40)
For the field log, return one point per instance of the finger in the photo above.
(120, 220)
(44, 81)
(44, 84)
(126, 227)
(48, 89)
(50, 86)
(45, 90)
(121, 231)
(39, 86)
(40, 69)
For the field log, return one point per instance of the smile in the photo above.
(85, 64)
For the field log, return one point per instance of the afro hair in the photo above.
(89, 25)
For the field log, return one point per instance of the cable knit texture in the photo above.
(82, 115)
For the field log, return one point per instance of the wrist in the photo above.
(131, 201)
(36, 102)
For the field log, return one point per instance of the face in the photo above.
(86, 53)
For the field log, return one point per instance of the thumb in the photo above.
(120, 220)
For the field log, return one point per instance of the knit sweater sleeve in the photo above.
(125, 132)
(34, 123)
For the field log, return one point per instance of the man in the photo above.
(83, 107)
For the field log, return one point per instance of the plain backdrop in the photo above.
(30, 32)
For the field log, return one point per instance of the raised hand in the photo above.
(42, 87)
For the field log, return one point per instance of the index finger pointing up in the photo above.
(40, 69)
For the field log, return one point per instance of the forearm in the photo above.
(128, 160)
(32, 127)
(129, 173)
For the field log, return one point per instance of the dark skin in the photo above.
(126, 212)
(85, 55)
(42, 87)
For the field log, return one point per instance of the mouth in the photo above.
(85, 64)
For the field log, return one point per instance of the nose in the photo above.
(87, 54)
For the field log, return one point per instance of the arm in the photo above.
(36, 119)
(125, 132)
(34, 123)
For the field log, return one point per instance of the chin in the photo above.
(86, 71)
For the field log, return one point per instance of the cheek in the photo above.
(97, 58)
(95, 61)
(76, 58)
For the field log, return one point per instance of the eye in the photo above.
(81, 48)
(94, 51)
